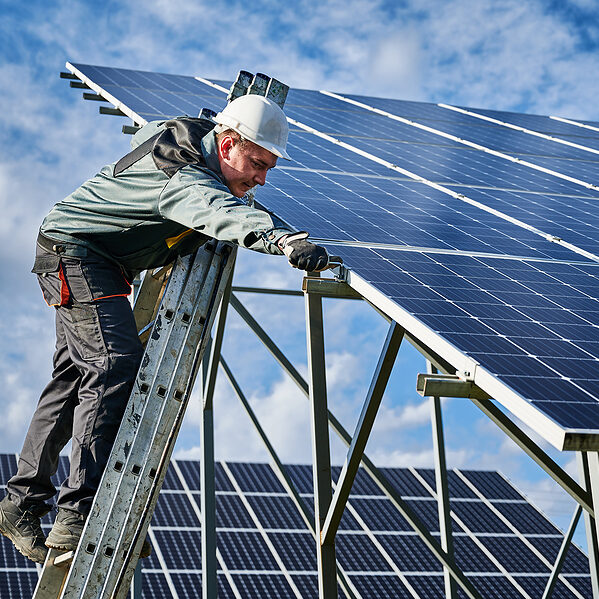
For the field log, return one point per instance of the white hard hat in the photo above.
(259, 120)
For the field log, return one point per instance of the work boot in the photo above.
(67, 529)
(22, 526)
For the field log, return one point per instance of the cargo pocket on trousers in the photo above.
(86, 323)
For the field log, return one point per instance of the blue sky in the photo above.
(537, 57)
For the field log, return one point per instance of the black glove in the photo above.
(303, 254)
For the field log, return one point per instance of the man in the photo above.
(181, 186)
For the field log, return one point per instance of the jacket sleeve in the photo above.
(198, 200)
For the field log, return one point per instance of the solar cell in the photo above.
(409, 553)
(356, 552)
(17, 584)
(470, 557)
(181, 549)
(256, 478)
(244, 550)
(174, 509)
(575, 563)
(191, 473)
(478, 517)
(380, 515)
(231, 513)
(492, 485)
(8, 466)
(526, 518)
(258, 586)
(383, 586)
(276, 511)
(154, 586)
(296, 550)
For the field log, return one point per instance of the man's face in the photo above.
(243, 166)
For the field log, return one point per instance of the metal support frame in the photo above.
(207, 468)
(443, 506)
(387, 488)
(321, 455)
(587, 462)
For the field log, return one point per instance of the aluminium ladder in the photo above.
(105, 560)
(174, 319)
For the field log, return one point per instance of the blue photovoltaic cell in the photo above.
(181, 549)
(245, 551)
(171, 480)
(380, 515)
(381, 587)
(276, 511)
(478, 518)
(191, 473)
(470, 557)
(526, 518)
(410, 553)
(231, 513)
(8, 467)
(256, 478)
(356, 552)
(457, 487)
(154, 586)
(405, 482)
(301, 475)
(513, 554)
(174, 509)
(258, 586)
(296, 550)
(363, 483)
(490, 309)
(535, 586)
(492, 485)
(17, 584)
(575, 563)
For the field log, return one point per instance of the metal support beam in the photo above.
(329, 288)
(563, 551)
(321, 456)
(268, 290)
(282, 472)
(362, 432)
(448, 385)
(588, 466)
(207, 473)
(443, 506)
(378, 477)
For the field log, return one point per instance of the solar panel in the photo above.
(379, 559)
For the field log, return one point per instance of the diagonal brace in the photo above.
(362, 432)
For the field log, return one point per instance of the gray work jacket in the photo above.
(144, 217)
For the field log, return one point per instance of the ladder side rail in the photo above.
(139, 529)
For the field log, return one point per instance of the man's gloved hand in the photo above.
(303, 254)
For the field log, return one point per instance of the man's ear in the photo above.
(225, 146)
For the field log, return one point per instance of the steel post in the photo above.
(321, 461)
(443, 505)
(207, 469)
(588, 465)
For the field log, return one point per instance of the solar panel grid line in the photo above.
(109, 97)
(572, 122)
(518, 128)
(465, 142)
(263, 533)
(165, 571)
(512, 400)
(197, 511)
(473, 537)
(517, 532)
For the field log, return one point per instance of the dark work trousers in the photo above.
(95, 363)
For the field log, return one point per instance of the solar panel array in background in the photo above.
(534, 321)
(499, 535)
